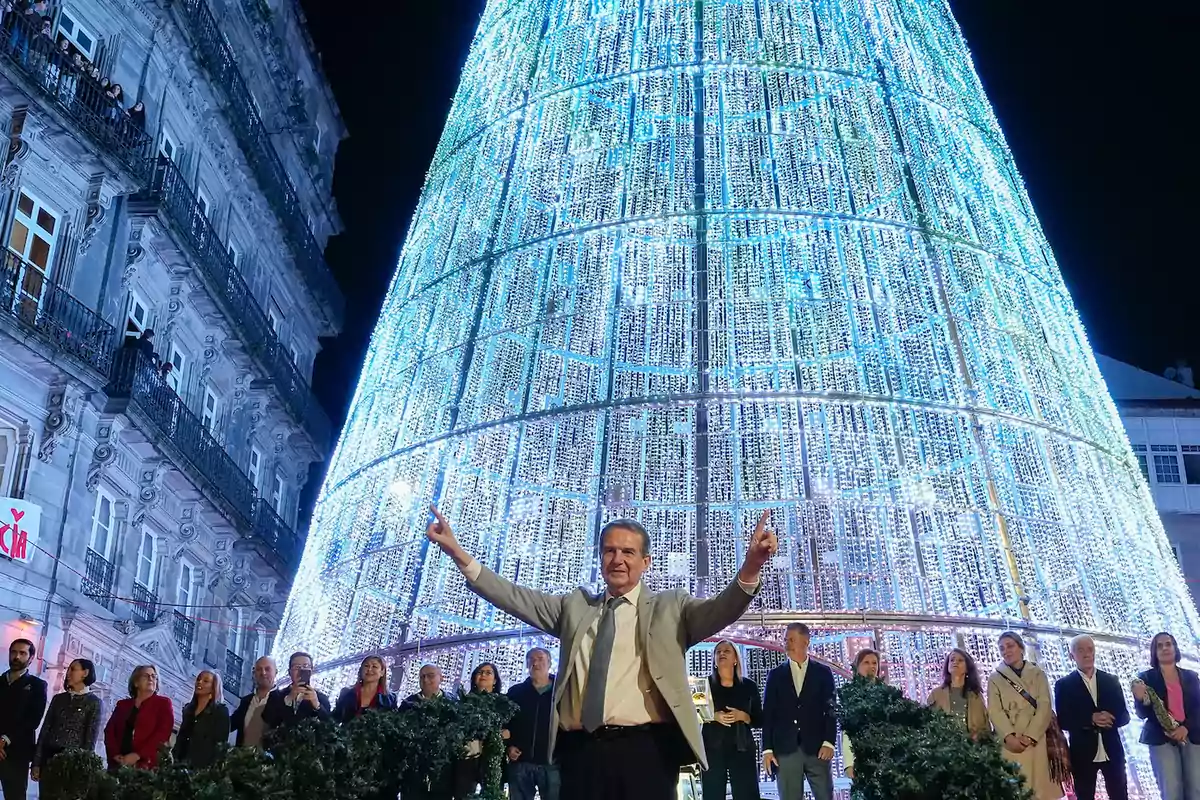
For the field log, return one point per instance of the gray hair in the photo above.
(1080, 639)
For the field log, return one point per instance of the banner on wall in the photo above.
(20, 524)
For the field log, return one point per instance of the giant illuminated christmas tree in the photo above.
(684, 260)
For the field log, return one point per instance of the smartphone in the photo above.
(304, 678)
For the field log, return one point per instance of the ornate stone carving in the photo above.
(187, 525)
(149, 490)
(264, 602)
(134, 251)
(103, 455)
(125, 627)
(58, 422)
(94, 215)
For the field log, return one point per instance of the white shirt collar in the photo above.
(80, 693)
(798, 664)
(1084, 675)
(632, 595)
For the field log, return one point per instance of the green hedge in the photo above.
(908, 751)
(369, 758)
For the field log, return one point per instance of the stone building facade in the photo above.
(1162, 418)
(168, 500)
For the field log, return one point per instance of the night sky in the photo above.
(1095, 104)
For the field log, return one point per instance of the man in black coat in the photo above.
(800, 721)
(299, 701)
(22, 704)
(1091, 708)
(531, 768)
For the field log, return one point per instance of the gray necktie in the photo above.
(597, 679)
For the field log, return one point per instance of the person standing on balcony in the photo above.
(205, 725)
(22, 704)
(623, 702)
(247, 720)
(140, 724)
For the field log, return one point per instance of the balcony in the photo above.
(252, 135)
(98, 578)
(233, 672)
(145, 604)
(51, 316)
(134, 379)
(55, 317)
(184, 629)
(167, 191)
(48, 73)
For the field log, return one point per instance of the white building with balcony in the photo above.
(1162, 418)
(168, 499)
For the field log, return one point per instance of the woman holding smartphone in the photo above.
(299, 701)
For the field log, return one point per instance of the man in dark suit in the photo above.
(800, 721)
(299, 701)
(247, 720)
(623, 719)
(1091, 708)
(22, 704)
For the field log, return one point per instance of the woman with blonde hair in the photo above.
(205, 725)
(961, 693)
(140, 724)
(1019, 708)
(728, 741)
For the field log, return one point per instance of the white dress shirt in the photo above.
(627, 667)
(799, 673)
(1090, 683)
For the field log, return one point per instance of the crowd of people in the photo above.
(65, 71)
(619, 719)
(142, 723)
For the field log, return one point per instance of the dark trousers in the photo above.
(625, 763)
(733, 767)
(1085, 779)
(14, 778)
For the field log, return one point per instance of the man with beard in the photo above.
(22, 704)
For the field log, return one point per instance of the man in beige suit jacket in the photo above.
(623, 713)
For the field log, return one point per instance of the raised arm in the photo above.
(539, 609)
(704, 618)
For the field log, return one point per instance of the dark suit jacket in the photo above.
(346, 707)
(237, 721)
(792, 723)
(278, 714)
(22, 705)
(1152, 732)
(1074, 705)
(200, 736)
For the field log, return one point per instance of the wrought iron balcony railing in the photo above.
(52, 74)
(55, 316)
(97, 581)
(167, 189)
(135, 377)
(234, 664)
(184, 629)
(252, 135)
(145, 604)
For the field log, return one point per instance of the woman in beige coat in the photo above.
(1020, 726)
(961, 695)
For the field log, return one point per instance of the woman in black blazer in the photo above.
(205, 725)
(728, 741)
(368, 694)
(1174, 754)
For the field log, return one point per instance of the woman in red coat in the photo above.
(140, 724)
